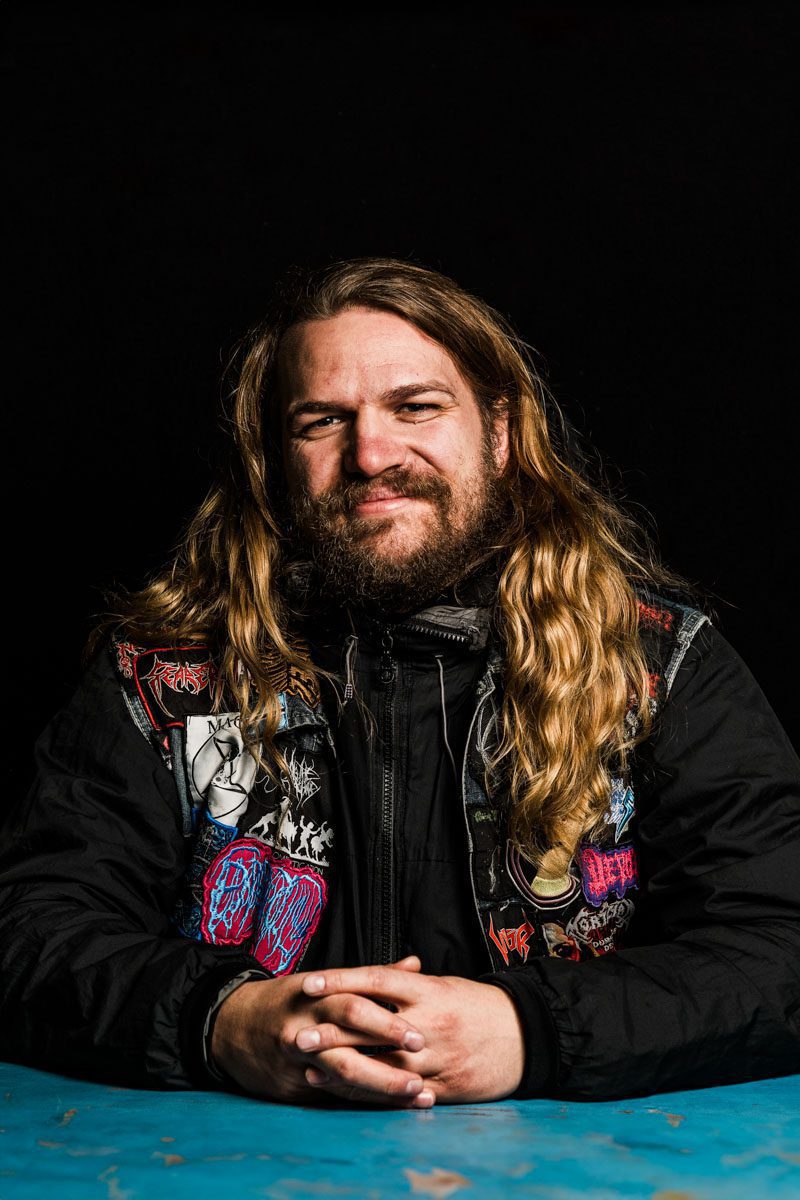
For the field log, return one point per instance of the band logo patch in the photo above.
(512, 940)
(255, 899)
(621, 808)
(178, 677)
(233, 887)
(650, 615)
(607, 871)
(294, 906)
(601, 929)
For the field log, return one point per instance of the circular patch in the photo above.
(544, 893)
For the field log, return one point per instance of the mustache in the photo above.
(344, 499)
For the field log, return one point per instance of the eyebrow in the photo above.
(403, 392)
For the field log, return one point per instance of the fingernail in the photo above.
(314, 983)
(307, 1039)
(425, 1099)
(413, 1040)
(413, 1087)
(315, 1077)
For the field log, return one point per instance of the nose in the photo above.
(372, 447)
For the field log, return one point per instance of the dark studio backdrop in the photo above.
(616, 180)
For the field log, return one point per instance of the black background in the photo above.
(616, 180)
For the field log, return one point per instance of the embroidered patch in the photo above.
(220, 768)
(543, 893)
(126, 653)
(287, 824)
(621, 808)
(252, 896)
(661, 617)
(294, 905)
(600, 929)
(178, 677)
(232, 891)
(559, 943)
(285, 678)
(607, 871)
(509, 941)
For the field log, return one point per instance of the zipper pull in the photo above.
(388, 665)
(352, 643)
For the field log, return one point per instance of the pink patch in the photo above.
(294, 905)
(232, 891)
(607, 871)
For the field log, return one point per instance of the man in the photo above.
(403, 784)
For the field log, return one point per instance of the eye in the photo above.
(321, 422)
(415, 409)
(320, 425)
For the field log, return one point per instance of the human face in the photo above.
(389, 463)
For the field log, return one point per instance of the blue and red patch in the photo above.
(257, 899)
(607, 871)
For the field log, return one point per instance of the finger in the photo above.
(411, 963)
(353, 1094)
(354, 1075)
(385, 983)
(315, 1038)
(359, 1014)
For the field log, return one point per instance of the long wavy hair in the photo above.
(566, 604)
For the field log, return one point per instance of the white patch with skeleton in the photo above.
(284, 826)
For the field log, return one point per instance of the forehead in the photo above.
(359, 352)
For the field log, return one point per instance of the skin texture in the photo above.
(386, 475)
(291, 1038)
(367, 399)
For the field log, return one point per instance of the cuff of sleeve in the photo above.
(199, 1010)
(208, 1029)
(541, 1042)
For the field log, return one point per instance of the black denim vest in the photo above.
(261, 853)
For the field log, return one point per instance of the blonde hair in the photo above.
(566, 608)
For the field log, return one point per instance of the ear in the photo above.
(500, 438)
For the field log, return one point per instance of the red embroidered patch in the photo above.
(295, 902)
(126, 653)
(512, 940)
(178, 677)
(233, 887)
(607, 871)
(655, 616)
(257, 899)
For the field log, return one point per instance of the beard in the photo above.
(347, 568)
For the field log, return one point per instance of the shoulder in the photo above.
(667, 628)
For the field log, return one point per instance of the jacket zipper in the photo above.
(387, 674)
(470, 843)
(447, 635)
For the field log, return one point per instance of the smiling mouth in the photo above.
(381, 504)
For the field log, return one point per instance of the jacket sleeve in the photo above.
(95, 980)
(708, 990)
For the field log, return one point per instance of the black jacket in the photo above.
(704, 988)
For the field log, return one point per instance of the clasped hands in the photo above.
(450, 1039)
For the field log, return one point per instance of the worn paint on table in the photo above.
(84, 1141)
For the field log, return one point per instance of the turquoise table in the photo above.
(66, 1140)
